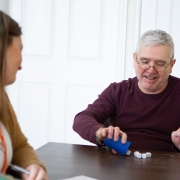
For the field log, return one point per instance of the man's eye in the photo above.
(144, 62)
(160, 64)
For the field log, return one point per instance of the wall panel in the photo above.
(133, 33)
(85, 28)
(77, 99)
(37, 26)
(148, 15)
(174, 30)
(33, 113)
(163, 15)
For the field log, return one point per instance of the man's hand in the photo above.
(36, 173)
(175, 136)
(112, 133)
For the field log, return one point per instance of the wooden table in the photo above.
(68, 160)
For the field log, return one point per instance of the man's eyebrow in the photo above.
(163, 61)
(148, 59)
(144, 58)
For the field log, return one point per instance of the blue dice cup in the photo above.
(117, 145)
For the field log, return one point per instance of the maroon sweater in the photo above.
(148, 119)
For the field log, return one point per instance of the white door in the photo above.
(71, 53)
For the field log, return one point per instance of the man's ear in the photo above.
(172, 65)
(173, 62)
(134, 57)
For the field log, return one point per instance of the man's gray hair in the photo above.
(156, 37)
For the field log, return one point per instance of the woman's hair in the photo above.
(8, 29)
(156, 37)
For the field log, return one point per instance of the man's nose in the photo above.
(152, 68)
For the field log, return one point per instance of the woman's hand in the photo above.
(36, 173)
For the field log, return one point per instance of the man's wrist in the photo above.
(99, 141)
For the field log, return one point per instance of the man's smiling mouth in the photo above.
(150, 78)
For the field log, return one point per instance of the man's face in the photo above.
(150, 80)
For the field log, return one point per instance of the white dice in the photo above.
(148, 154)
(137, 154)
(144, 155)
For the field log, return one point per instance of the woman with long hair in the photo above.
(14, 148)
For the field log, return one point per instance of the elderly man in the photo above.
(143, 110)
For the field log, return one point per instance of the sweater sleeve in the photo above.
(87, 122)
(23, 154)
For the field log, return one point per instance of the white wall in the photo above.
(4, 5)
(73, 49)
